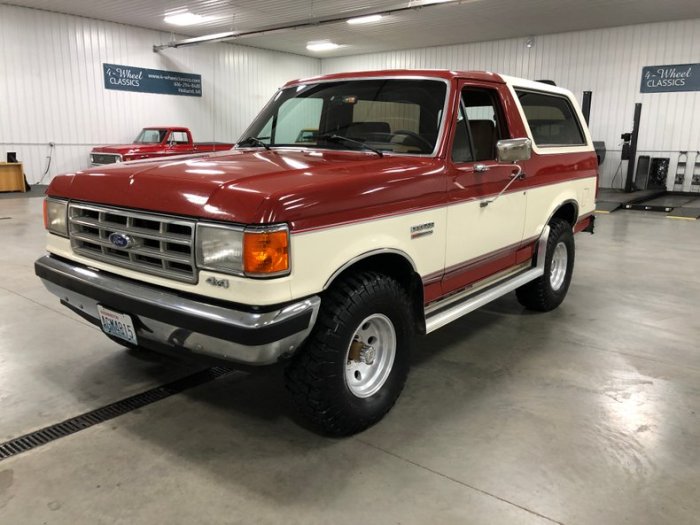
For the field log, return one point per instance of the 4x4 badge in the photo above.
(221, 283)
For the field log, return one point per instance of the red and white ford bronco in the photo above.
(414, 198)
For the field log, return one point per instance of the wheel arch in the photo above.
(393, 263)
(567, 210)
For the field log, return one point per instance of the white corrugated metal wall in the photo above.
(51, 87)
(607, 61)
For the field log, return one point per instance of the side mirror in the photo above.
(513, 150)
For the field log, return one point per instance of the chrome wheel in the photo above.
(370, 356)
(560, 261)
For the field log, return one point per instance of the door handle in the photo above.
(481, 168)
(518, 173)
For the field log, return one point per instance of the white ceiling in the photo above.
(451, 23)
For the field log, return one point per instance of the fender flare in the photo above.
(560, 206)
(366, 255)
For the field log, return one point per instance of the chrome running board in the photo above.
(441, 313)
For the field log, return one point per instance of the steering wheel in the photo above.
(422, 142)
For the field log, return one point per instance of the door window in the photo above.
(485, 121)
(461, 145)
(178, 137)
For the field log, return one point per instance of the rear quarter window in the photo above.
(552, 119)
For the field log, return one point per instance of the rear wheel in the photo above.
(354, 365)
(548, 291)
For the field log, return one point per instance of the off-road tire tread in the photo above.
(310, 373)
(538, 294)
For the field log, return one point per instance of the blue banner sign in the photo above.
(678, 77)
(128, 78)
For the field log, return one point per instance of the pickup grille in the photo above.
(157, 244)
(97, 159)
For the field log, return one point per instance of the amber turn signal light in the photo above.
(266, 253)
(46, 215)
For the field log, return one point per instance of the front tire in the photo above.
(548, 291)
(354, 365)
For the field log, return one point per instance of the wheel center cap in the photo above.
(368, 355)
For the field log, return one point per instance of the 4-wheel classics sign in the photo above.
(678, 77)
(142, 80)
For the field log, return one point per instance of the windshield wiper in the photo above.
(255, 141)
(332, 137)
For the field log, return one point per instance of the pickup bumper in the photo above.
(163, 317)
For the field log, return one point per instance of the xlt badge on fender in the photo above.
(421, 230)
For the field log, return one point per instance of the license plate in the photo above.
(117, 324)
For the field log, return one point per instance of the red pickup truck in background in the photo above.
(156, 141)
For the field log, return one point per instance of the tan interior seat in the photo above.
(484, 139)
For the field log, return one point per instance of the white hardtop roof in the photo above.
(538, 86)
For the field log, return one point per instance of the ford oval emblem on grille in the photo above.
(121, 240)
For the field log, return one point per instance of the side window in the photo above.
(551, 119)
(461, 147)
(486, 123)
(178, 137)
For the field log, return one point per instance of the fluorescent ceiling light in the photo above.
(364, 19)
(184, 18)
(322, 46)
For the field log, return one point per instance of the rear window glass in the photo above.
(551, 119)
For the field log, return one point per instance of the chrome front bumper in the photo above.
(165, 318)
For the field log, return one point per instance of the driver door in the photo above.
(178, 142)
(482, 237)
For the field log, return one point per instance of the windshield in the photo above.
(151, 136)
(392, 115)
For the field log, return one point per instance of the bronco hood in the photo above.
(256, 186)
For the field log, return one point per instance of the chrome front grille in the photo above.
(98, 159)
(157, 244)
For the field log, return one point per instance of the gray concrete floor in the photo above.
(588, 414)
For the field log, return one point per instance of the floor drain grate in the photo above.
(76, 424)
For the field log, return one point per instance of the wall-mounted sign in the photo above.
(678, 77)
(128, 78)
